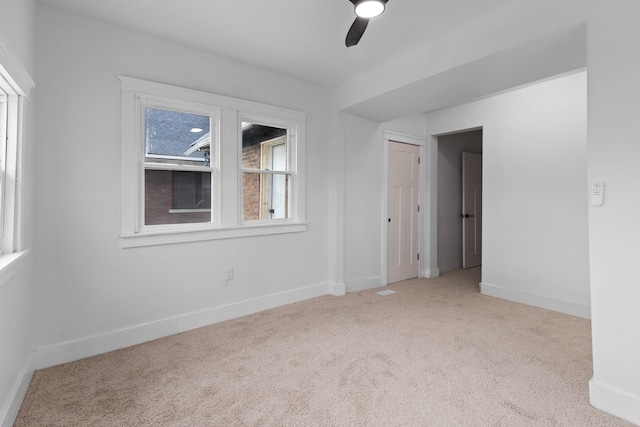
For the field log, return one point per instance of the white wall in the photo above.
(614, 150)
(362, 203)
(16, 281)
(535, 243)
(411, 125)
(93, 296)
(450, 149)
(16, 30)
(15, 337)
(365, 189)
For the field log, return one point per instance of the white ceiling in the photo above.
(303, 39)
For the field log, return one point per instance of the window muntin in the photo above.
(266, 171)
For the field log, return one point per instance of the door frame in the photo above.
(430, 259)
(390, 136)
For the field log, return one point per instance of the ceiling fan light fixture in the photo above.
(369, 8)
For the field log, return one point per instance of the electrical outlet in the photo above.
(229, 274)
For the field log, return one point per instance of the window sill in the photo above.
(181, 211)
(10, 264)
(185, 236)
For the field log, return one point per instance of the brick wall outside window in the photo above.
(158, 201)
(251, 159)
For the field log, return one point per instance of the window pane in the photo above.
(177, 137)
(177, 197)
(191, 190)
(265, 196)
(258, 142)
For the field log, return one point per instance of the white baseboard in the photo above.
(549, 303)
(615, 401)
(364, 284)
(430, 273)
(337, 289)
(81, 348)
(11, 407)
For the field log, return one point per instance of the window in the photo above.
(182, 179)
(15, 87)
(178, 166)
(265, 171)
(10, 125)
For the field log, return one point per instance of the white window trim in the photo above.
(9, 180)
(230, 224)
(293, 148)
(142, 101)
(13, 71)
(11, 147)
(17, 84)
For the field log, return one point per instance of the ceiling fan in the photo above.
(365, 9)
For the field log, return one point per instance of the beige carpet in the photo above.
(436, 353)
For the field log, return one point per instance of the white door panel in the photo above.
(402, 232)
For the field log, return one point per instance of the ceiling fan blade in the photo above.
(356, 31)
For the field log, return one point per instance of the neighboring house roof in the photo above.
(203, 144)
(254, 134)
(169, 133)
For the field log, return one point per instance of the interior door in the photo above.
(402, 230)
(471, 210)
